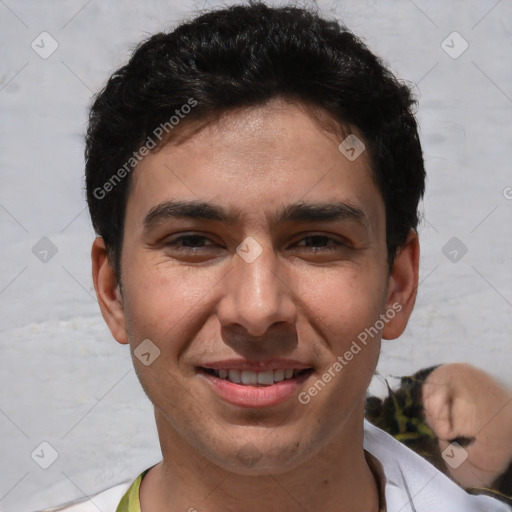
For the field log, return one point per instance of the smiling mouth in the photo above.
(252, 378)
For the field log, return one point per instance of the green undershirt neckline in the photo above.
(130, 501)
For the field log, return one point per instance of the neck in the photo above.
(335, 479)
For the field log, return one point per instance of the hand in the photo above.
(463, 401)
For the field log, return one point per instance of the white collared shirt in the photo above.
(414, 485)
(411, 483)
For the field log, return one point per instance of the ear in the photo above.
(108, 291)
(403, 285)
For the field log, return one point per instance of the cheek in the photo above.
(166, 301)
(344, 303)
(345, 308)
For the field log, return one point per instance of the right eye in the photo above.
(188, 241)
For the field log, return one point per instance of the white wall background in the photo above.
(64, 380)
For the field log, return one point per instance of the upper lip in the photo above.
(262, 366)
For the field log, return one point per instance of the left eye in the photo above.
(319, 242)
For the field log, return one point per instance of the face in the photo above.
(255, 251)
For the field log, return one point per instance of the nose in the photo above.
(256, 296)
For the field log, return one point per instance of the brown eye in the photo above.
(319, 242)
(190, 242)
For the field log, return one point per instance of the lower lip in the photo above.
(256, 396)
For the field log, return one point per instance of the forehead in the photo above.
(257, 161)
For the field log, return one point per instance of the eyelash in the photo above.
(334, 242)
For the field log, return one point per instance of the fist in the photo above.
(463, 401)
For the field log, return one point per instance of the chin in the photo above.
(257, 455)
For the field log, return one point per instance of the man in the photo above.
(254, 178)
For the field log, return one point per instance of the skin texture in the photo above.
(461, 400)
(300, 300)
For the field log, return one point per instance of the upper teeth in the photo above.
(252, 378)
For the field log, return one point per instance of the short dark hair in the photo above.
(244, 56)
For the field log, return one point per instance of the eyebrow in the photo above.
(296, 212)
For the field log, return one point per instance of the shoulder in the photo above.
(106, 501)
(413, 484)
